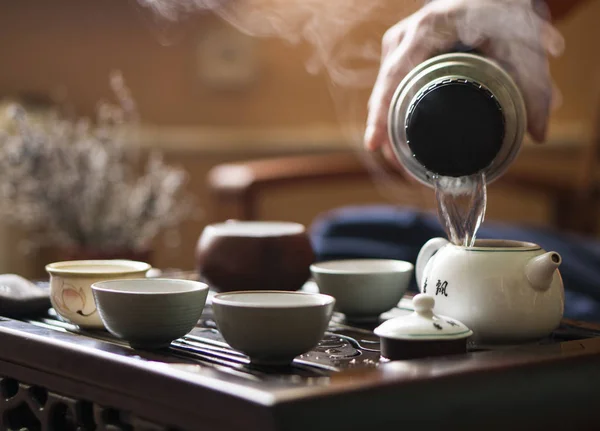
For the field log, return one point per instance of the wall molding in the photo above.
(248, 140)
(313, 138)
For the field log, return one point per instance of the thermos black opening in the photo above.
(455, 128)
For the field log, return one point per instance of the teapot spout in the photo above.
(540, 270)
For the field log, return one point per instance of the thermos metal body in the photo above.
(457, 114)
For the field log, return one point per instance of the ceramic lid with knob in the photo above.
(423, 324)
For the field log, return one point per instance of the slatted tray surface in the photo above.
(55, 374)
(344, 346)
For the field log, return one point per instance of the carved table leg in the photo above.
(24, 406)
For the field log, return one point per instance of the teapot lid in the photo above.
(423, 324)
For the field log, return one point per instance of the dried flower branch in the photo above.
(77, 183)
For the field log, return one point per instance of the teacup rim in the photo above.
(219, 299)
(404, 266)
(101, 286)
(60, 267)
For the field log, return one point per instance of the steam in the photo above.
(331, 27)
(345, 37)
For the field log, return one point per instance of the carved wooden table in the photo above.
(54, 376)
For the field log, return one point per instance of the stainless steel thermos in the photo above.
(457, 114)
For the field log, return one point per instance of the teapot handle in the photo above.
(427, 251)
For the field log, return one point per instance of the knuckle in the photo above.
(392, 36)
(424, 19)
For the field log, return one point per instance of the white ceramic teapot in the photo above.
(505, 291)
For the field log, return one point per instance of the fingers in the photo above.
(392, 38)
(390, 75)
(404, 46)
(535, 82)
(531, 73)
(393, 69)
(552, 41)
(390, 157)
(527, 62)
(523, 51)
(538, 100)
(439, 25)
(376, 135)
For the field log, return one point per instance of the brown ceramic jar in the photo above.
(241, 255)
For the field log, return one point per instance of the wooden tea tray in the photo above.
(55, 376)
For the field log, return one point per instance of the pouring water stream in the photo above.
(461, 204)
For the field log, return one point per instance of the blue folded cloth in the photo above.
(399, 233)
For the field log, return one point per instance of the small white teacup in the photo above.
(363, 288)
(150, 313)
(272, 327)
(71, 281)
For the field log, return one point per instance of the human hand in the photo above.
(508, 31)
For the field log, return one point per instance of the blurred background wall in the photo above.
(208, 94)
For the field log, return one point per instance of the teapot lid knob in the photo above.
(423, 303)
(423, 324)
